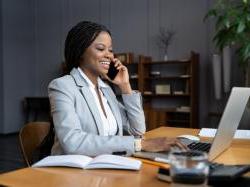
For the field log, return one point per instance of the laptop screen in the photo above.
(230, 120)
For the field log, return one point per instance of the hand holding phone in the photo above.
(112, 72)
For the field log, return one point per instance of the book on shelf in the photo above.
(183, 109)
(134, 76)
(162, 89)
(185, 76)
(178, 93)
(104, 161)
(148, 93)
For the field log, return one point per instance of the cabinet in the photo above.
(169, 90)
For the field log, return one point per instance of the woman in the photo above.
(87, 117)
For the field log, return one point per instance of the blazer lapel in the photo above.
(115, 109)
(93, 108)
(88, 98)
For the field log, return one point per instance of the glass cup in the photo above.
(188, 167)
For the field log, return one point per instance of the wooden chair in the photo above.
(30, 137)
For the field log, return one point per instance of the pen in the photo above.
(152, 162)
(164, 160)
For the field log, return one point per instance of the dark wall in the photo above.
(33, 34)
(18, 50)
(1, 70)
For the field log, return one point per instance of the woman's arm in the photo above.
(131, 110)
(133, 114)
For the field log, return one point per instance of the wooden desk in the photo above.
(237, 154)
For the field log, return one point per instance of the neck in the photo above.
(92, 77)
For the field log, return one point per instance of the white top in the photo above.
(109, 123)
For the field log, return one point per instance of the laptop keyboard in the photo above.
(200, 146)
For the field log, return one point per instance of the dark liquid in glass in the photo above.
(189, 178)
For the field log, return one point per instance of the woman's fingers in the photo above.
(181, 145)
(118, 65)
(162, 144)
(117, 62)
(174, 142)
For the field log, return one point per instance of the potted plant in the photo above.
(233, 28)
(164, 39)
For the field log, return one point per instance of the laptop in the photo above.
(228, 125)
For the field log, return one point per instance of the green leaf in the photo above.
(211, 13)
(241, 27)
(246, 51)
(226, 23)
(243, 53)
(219, 23)
(248, 17)
(221, 38)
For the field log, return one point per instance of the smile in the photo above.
(105, 62)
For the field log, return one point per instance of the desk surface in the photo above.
(238, 153)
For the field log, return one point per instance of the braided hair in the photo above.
(79, 38)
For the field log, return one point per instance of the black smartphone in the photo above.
(112, 72)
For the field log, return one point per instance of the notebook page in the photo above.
(114, 161)
(207, 132)
(244, 134)
(79, 161)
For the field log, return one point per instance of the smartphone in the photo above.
(112, 72)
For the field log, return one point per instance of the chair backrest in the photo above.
(30, 138)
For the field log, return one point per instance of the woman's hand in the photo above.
(161, 144)
(122, 77)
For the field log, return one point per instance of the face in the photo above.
(97, 57)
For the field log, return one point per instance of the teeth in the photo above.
(105, 62)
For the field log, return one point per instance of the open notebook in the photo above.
(85, 162)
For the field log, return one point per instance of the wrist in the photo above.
(125, 88)
(138, 144)
(143, 144)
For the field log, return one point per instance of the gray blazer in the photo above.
(77, 122)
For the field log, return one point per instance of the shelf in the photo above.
(177, 121)
(167, 62)
(165, 78)
(166, 95)
(176, 111)
(178, 81)
(132, 64)
(170, 110)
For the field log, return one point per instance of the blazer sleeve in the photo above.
(132, 114)
(70, 137)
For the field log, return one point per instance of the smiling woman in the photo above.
(88, 118)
